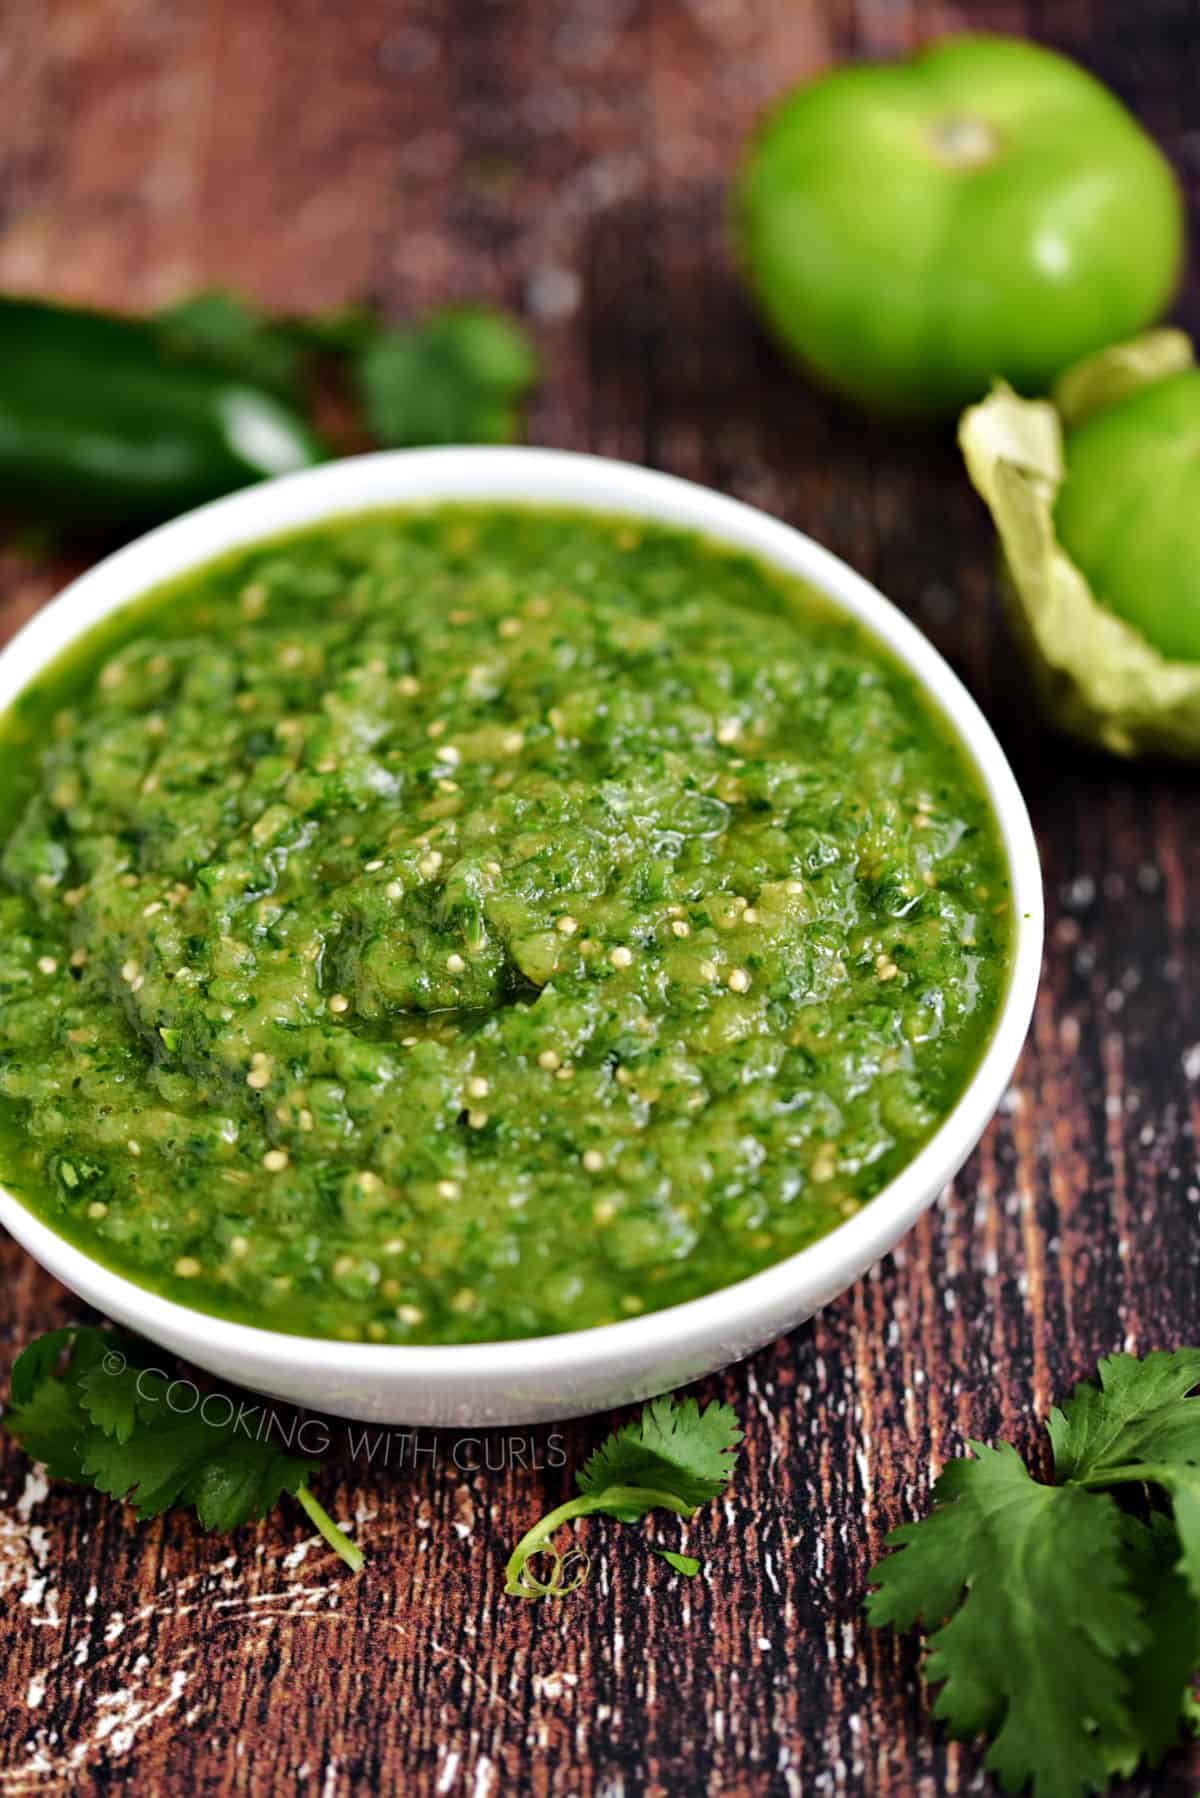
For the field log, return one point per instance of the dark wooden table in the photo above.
(571, 158)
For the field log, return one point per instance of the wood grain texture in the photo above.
(571, 158)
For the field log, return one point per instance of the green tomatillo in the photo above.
(1128, 511)
(987, 209)
(1096, 499)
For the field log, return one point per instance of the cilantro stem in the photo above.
(521, 1582)
(336, 1538)
(1133, 1473)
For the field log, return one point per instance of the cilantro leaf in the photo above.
(1030, 1654)
(49, 1426)
(681, 1563)
(1070, 1628)
(224, 331)
(673, 1457)
(672, 1446)
(1157, 1677)
(36, 1362)
(107, 1421)
(45, 1413)
(1139, 1412)
(460, 377)
(1139, 1426)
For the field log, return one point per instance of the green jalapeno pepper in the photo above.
(104, 426)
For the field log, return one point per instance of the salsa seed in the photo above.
(409, 1042)
(339, 1003)
(394, 889)
(78, 958)
(448, 753)
(621, 957)
(749, 916)
(129, 972)
(603, 1211)
(565, 1073)
(567, 925)
(477, 1119)
(456, 964)
(632, 1304)
(512, 741)
(429, 864)
(305, 1119)
(728, 730)
(709, 970)
(97, 1209)
(447, 786)
(464, 1300)
(824, 1165)
(238, 1245)
(449, 1189)
(47, 964)
(187, 1267)
(408, 685)
(275, 1160)
(593, 1160)
(372, 867)
(509, 627)
(436, 729)
(410, 1314)
(680, 928)
(794, 887)
(260, 1077)
(477, 1087)
(738, 981)
(550, 1059)
(342, 1266)
(75, 896)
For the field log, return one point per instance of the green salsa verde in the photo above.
(477, 923)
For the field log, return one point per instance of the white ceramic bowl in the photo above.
(553, 1376)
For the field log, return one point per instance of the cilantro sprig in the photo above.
(88, 1404)
(459, 375)
(674, 1457)
(1066, 1615)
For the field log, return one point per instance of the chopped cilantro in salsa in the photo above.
(479, 923)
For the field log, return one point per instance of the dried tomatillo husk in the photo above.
(1098, 676)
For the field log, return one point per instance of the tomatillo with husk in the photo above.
(1095, 495)
(986, 209)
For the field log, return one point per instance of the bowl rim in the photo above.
(568, 480)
